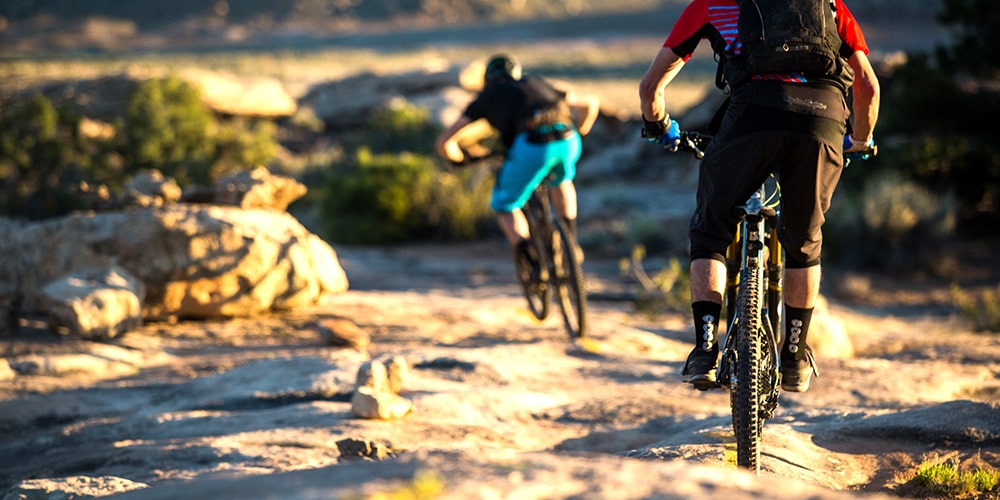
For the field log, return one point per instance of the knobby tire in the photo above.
(745, 393)
(538, 295)
(569, 286)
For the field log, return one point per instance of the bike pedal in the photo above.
(707, 386)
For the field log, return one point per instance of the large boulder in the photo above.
(195, 261)
(347, 103)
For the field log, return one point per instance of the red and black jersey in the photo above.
(715, 21)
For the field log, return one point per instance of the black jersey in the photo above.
(508, 103)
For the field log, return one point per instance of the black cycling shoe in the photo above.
(699, 370)
(796, 374)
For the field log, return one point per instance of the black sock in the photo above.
(706, 325)
(570, 225)
(527, 249)
(796, 328)
(521, 248)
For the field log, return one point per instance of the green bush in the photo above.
(398, 126)
(938, 125)
(945, 479)
(981, 309)
(892, 224)
(44, 158)
(392, 189)
(168, 128)
(47, 162)
(394, 198)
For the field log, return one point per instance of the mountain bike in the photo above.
(750, 365)
(562, 261)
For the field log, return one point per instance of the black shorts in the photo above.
(793, 131)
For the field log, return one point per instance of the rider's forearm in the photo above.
(866, 97)
(661, 72)
(447, 143)
(587, 108)
(450, 150)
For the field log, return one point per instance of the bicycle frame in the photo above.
(749, 362)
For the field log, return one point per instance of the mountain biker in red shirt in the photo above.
(787, 124)
(540, 127)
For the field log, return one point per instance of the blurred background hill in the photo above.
(31, 26)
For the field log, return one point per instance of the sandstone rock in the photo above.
(357, 448)
(258, 188)
(242, 96)
(366, 403)
(71, 487)
(150, 189)
(373, 375)
(343, 333)
(827, 335)
(377, 387)
(347, 103)
(94, 303)
(194, 261)
(397, 371)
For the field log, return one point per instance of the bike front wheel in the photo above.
(570, 289)
(537, 292)
(745, 393)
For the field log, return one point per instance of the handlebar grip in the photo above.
(864, 154)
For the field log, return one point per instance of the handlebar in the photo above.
(695, 142)
(860, 155)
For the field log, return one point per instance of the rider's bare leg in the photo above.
(708, 280)
(514, 226)
(564, 199)
(802, 286)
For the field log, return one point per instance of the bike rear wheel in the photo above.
(570, 290)
(745, 394)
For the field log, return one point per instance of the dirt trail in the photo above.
(214, 405)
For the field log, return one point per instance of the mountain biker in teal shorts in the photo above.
(540, 127)
(789, 124)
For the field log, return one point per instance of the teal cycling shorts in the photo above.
(528, 164)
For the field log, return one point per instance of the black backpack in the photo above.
(784, 36)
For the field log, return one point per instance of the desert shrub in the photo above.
(398, 126)
(945, 479)
(981, 309)
(892, 224)
(393, 198)
(243, 142)
(168, 128)
(392, 189)
(44, 158)
(666, 291)
(937, 125)
(649, 233)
